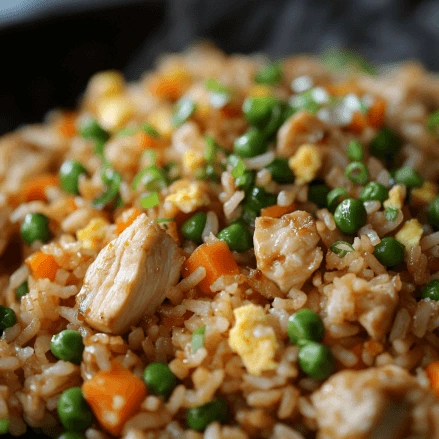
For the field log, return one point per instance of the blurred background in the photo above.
(50, 48)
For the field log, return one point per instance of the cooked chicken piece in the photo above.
(376, 403)
(302, 127)
(129, 278)
(286, 248)
(372, 303)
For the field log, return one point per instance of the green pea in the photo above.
(90, 129)
(317, 193)
(257, 110)
(71, 435)
(259, 198)
(316, 360)
(249, 216)
(350, 215)
(280, 171)
(271, 74)
(357, 172)
(35, 227)
(237, 237)
(431, 290)
(385, 144)
(305, 325)
(198, 418)
(408, 176)
(433, 213)
(250, 144)
(192, 228)
(67, 346)
(73, 410)
(159, 379)
(335, 197)
(389, 252)
(374, 191)
(22, 290)
(4, 426)
(276, 119)
(7, 317)
(69, 176)
(355, 151)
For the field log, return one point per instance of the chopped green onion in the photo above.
(433, 122)
(355, 151)
(112, 180)
(90, 129)
(363, 107)
(210, 149)
(219, 93)
(246, 180)
(149, 156)
(172, 171)
(347, 60)
(341, 248)
(271, 74)
(184, 109)
(150, 200)
(305, 101)
(164, 220)
(151, 179)
(357, 173)
(238, 165)
(150, 130)
(127, 131)
(391, 213)
(99, 147)
(197, 341)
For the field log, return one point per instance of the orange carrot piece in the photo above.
(216, 258)
(126, 219)
(147, 141)
(42, 266)
(114, 396)
(35, 189)
(376, 113)
(432, 371)
(358, 122)
(276, 211)
(343, 88)
(67, 124)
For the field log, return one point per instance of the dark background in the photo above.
(49, 48)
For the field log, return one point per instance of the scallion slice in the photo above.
(150, 200)
(197, 341)
(341, 248)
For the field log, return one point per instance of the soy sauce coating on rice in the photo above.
(238, 248)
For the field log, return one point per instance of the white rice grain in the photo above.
(427, 242)
(211, 225)
(232, 203)
(285, 198)
(259, 161)
(9, 364)
(18, 277)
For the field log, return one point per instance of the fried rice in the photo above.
(255, 149)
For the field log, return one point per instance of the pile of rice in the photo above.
(381, 334)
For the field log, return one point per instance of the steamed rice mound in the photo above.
(122, 264)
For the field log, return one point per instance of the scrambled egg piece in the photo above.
(161, 120)
(93, 233)
(105, 84)
(192, 160)
(410, 234)
(113, 112)
(305, 163)
(253, 339)
(424, 194)
(188, 196)
(396, 197)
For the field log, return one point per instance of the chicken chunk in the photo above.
(303, 127)
(286, 248)
(372, 303)
(384, 402)
(129, 278)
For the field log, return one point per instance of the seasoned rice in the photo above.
(127, 268)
